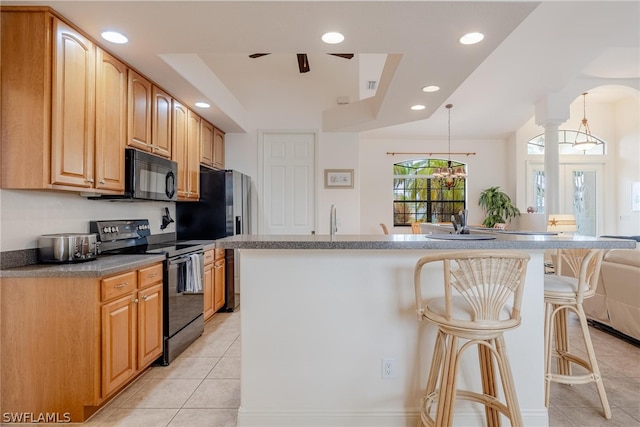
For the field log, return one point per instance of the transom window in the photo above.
(420, 197)
(566, 138)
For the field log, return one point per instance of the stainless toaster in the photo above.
(67, 247)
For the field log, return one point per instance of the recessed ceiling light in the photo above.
(471, 38)
(431, 88)
(332, 38)
(418, 107)
(202, 105)
(114, 37)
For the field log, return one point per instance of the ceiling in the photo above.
(199, 50)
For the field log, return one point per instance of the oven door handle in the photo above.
(183, 259)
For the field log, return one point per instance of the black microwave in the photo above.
(147, 177)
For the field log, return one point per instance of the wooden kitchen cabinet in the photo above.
(48, 105)
(193, 157)
(186, 151)
(207, 286)
(206, 143)
(131, 325)
(70, 343)
(218, 149)
(161, 122)
(118, 343)
(219, 272)
(73, 112)
(111, 121)
(211, 146)
(139, 107)
(214, 276)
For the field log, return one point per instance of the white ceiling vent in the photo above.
(371, 84)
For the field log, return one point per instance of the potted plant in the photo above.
(498, 206)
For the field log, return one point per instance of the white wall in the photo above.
(485, 169)
(28, 214)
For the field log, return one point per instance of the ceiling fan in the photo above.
(303, 61)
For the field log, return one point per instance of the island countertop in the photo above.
(419, 241)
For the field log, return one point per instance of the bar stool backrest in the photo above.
(487, 281)
(585, 267)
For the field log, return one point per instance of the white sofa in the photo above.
(617, 300)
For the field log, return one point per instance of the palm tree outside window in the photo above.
(420, 197)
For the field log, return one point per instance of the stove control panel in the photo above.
(111, 230)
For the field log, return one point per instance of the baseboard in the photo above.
(610, 330)
(250, 418)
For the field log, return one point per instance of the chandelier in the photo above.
(449, 176)
(589, 142)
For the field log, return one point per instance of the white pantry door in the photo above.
(288, 182)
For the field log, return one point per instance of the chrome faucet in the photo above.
(333, 226)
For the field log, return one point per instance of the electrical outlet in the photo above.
(388, 368)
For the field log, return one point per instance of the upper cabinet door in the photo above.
(180, 131)
(218, 149)
(161, 121)
(206, 143)
(139, 127)
(111, 121)
(73, 109)
(193, 157)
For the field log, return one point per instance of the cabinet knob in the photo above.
(144, 297)
(135, 301)
(90, 180)
(102, 181)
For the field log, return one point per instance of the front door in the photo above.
(580, 193)
(288, 182)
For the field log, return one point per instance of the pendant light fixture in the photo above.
(449, 176)
(589, 142)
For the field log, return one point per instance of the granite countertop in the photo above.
(419, 241)
(104, 265)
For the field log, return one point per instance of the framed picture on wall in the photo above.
(338, 178)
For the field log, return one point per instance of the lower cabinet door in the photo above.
(208, 291)
(119, 328)
(218, 284)
(149, 325)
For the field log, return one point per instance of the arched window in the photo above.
(566, 138)
(420, 197)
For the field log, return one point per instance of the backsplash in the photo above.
(25, 215)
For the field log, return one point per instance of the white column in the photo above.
(551, 169)
(551, 112)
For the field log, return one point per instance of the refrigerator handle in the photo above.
(238, 225)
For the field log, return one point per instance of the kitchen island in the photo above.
(320, 313)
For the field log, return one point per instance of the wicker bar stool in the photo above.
(563, 294)
(482, 299)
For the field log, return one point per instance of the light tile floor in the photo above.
(202, 386)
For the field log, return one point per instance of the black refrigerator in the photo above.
(224, 209)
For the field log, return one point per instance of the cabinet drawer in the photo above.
(208, 257)
(219, 253)
(116, 286)
(149, 275)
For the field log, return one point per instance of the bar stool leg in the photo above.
(562, 341)
(593, 362)
(447, 393)
(488, 383)
(548, 327)
(507, 383)
(432, 380)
